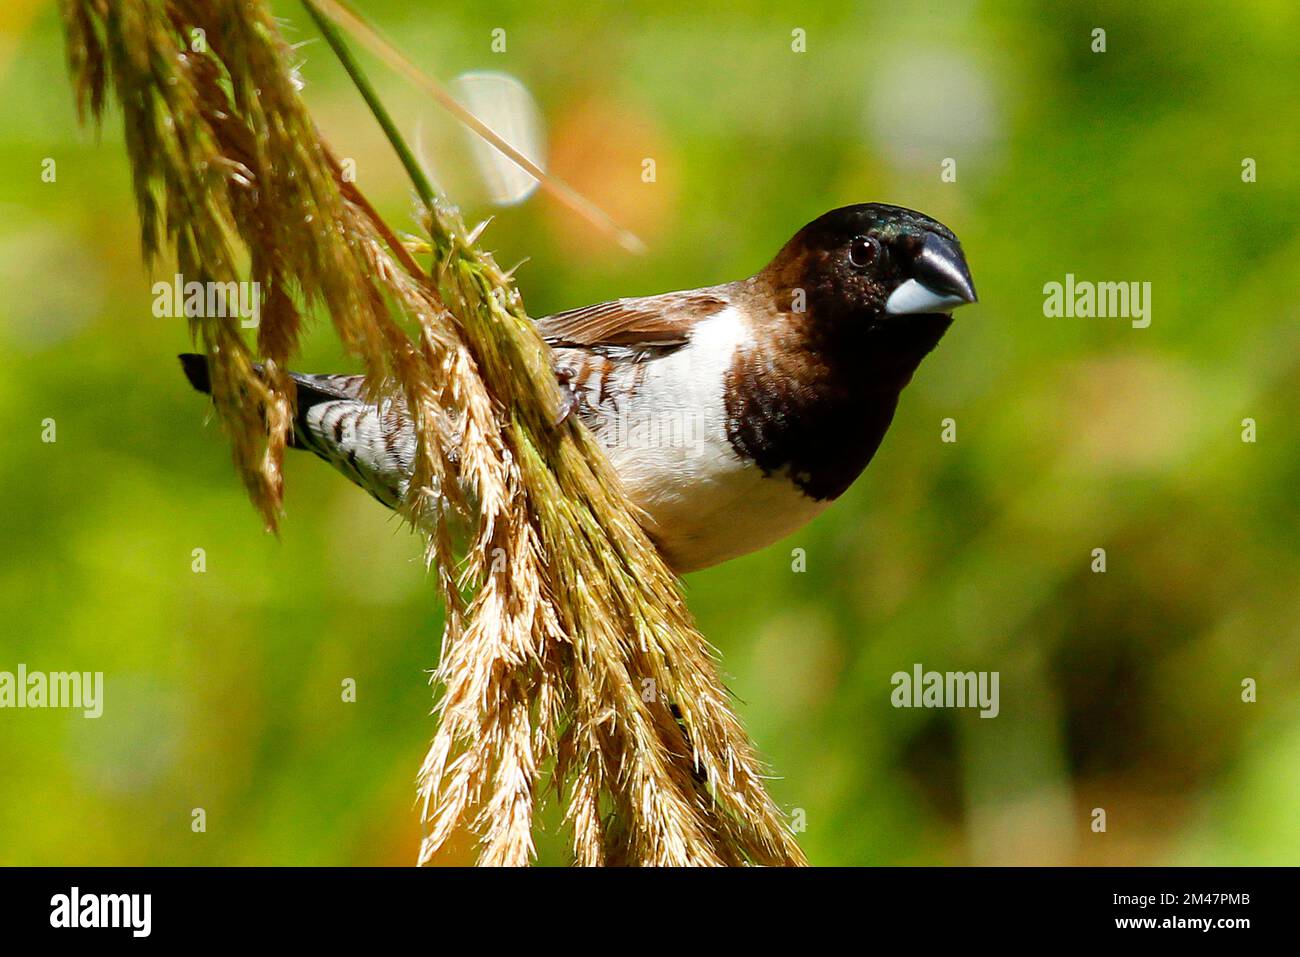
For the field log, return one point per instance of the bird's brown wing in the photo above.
(649, 322)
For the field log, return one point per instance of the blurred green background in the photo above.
(1119, 691)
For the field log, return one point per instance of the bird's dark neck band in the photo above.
(818, 411)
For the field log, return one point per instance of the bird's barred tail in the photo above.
(373, 445)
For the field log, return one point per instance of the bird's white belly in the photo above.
(722, 514)
(668, 444)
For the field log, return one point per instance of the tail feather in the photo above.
(373, 445)
(311, 388)
(196, 370)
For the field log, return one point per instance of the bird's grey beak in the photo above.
(941, 280)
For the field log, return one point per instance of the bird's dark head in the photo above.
(874, 272)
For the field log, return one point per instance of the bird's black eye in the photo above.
(864, 251)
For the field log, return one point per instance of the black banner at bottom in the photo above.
(678, 907)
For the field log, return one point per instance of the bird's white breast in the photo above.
(668, 443)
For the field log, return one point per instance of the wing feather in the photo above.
(648, 321)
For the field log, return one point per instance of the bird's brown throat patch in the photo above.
(814, 403)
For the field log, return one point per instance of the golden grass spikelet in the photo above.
(568, 646)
